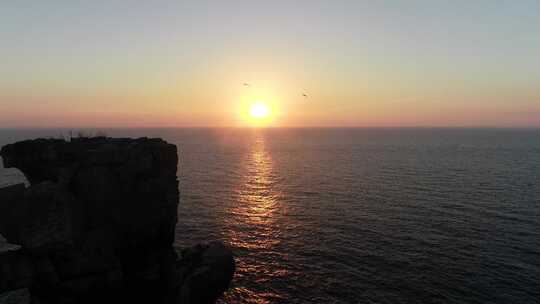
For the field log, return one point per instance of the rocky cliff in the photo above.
(97, 225)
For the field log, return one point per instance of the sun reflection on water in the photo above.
(257, 200)
(255, 218)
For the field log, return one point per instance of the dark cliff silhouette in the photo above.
(97, 225)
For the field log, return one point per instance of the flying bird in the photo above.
(246, 84)
(305, 95)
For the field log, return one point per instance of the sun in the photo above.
(259, 110)
(256, 112)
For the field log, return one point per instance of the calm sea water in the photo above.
(362, 215)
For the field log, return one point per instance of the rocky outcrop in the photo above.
(97, 225)
(204, 271)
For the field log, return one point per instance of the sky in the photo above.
(183, 63)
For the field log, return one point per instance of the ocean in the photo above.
(413, 215)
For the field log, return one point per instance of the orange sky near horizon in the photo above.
(170, 64)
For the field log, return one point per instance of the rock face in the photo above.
(97, 225)
(11, 176)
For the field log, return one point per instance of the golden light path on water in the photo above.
(256, 212)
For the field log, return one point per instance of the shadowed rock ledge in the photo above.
(97, 225)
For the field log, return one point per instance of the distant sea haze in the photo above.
(360, 215)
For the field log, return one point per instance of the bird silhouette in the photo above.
(305, 95)
(246, 84)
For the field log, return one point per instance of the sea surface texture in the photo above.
(361, 215)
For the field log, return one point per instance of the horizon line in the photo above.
(268, 127)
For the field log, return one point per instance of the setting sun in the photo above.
(255, 111)
(259, 110)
